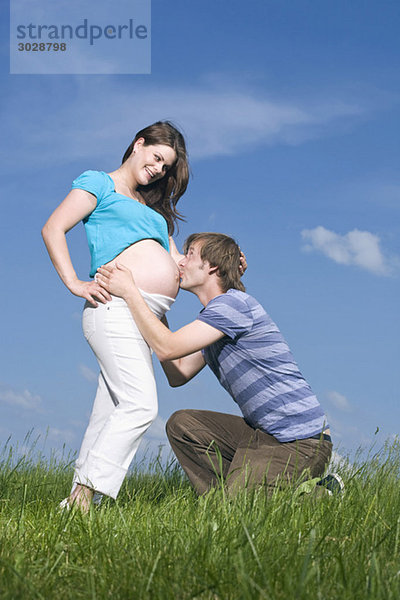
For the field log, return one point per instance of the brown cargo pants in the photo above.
(213, 447)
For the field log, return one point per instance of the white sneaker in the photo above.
(333, 484)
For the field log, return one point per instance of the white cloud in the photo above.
(156, 431)
(347, 434)
(358, 248)
(87, 373)
(154, 445)
(215, 120)
(339, 401)
(61, 435)
(338, 462)
(24, 399)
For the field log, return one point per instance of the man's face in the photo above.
(192, 269)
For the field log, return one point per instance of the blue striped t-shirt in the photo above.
(255, 365)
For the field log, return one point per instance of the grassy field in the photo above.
(159, 541)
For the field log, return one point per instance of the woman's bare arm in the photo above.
(77, 205)
(173, 250)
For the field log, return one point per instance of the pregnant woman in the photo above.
(130, 214)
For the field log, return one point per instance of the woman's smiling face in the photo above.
(150, 163)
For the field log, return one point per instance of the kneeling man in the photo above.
(283, 434)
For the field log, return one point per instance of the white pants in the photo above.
(126, 400)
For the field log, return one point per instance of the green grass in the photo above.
(159, 541)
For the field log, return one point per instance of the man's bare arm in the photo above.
(166, 344)
(182, 370)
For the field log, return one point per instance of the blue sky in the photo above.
(291, 113)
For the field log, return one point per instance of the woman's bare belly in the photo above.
(152, 267)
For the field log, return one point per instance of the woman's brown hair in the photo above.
(163, 194)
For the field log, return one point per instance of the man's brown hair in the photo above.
(220, 251)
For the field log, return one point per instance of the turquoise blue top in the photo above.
(117, 221)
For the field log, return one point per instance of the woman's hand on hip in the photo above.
(90, 290)
(117, 280)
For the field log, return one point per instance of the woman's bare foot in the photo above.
(81, 498)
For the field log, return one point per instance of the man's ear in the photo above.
(212, 270)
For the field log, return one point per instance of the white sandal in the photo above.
(64, 505)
